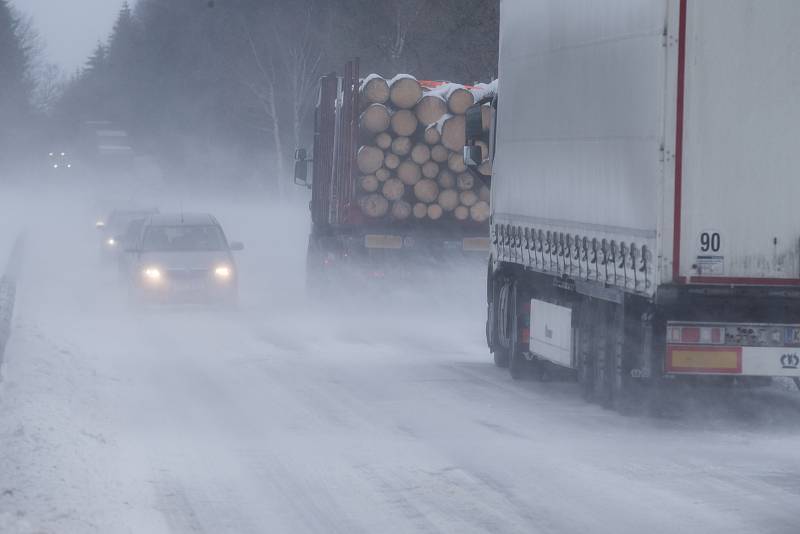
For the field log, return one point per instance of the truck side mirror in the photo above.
(301, 167)
(474, 124)
(472, 156)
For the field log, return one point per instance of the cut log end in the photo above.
(409, 172)
(435, 212)
(448, 199)
(402, 145)
(468, 198)
(369, 159)
(393, 189)
(439, 154)
(426, 191)
(405, 92)
(404, 123)
(391, 161)
(401, 210)
(447, 180)
(480, 212)
(383, 140)
(454, 133)
(375, 90)
(430, 169)
(374, 205)
(460, 100)
(455, 162)
(430, 109)
(465, 181)
(461, 213)
(375, 119)
(369, 183)
(432, 135)
(420, 154)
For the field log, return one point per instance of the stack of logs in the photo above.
(411, 160)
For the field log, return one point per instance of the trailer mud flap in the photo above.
(551, 334)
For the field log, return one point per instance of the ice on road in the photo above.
(289, 416)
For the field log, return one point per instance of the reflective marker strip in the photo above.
(708, 360)
(383, 241)
(476, 244)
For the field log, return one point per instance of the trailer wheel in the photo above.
(517, 364)
(586, 361)
(625, 337)
(603, 363)
(499, 352)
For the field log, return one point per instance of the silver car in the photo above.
(183, 257)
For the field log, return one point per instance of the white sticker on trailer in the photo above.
(551, 332)
(771, 361)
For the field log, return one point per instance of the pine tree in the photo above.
(15, 83)
(13, 59)
(97, 63)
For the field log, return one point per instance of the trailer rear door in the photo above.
(740, 179)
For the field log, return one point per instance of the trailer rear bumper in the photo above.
(732, 349)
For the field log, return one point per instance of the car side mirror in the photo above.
(301, 167)
(236, 245)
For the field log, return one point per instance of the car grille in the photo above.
(187, 274)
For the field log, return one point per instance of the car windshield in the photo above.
(120, 220)
(183, 238)
(132, 230)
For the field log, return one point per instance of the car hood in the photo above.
(186, 260)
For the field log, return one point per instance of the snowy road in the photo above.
(282, 417)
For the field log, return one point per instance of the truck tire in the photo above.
(517, 364)
(586, 333)
(624, 337)
(603, 364)
(499, 352)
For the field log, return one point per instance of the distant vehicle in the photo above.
(59, 161)
(114, 227)
(642, 229)
(182, 257)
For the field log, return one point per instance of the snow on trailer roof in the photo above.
(177, 219)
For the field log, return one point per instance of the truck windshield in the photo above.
(183, 238)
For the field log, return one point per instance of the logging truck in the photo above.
(390, 190)
(644, 227)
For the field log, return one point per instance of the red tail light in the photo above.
(690, 334)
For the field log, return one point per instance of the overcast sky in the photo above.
(71, 28)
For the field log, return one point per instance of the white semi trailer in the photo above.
(645, 223)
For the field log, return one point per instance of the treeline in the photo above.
(17, 86)
(214, 85)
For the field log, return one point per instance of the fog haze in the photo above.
(70, 29)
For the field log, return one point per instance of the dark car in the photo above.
(115, 227)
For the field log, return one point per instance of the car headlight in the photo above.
(152, 273)
(223, 272)
(111, 242)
